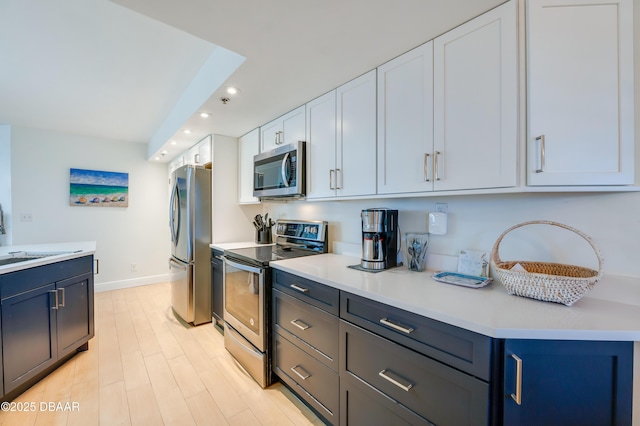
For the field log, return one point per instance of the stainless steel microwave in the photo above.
(280, 172)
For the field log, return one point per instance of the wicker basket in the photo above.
(550, 282)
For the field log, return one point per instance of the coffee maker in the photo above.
(379, 238)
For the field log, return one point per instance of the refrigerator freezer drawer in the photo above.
(181, 279)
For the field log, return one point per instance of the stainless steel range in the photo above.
(247, 291)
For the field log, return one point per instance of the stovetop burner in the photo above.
(293, 239)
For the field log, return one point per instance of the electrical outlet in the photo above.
(442, 207)
(134, 267)
(26, 217)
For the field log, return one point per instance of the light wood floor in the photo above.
(144, 367)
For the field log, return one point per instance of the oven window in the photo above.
(242, 296)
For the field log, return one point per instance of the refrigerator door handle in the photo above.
(173, 263)
(174, 214)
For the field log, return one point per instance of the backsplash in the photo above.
(475, 223)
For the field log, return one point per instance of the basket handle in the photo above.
(495, 257)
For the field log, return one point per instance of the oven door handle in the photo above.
(242, 266)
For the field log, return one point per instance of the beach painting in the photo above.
(98, 189)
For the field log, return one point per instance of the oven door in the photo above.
(244, 298)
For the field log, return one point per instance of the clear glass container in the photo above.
(416, 243)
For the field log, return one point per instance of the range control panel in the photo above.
(309, 230)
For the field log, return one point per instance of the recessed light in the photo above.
(205, 115)
(164, 152)
(174, 143)
(187, 131)
(232, 90)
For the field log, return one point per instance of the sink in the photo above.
(23, 256)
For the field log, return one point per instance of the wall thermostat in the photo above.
(437, 223)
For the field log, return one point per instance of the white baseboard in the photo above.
(117, 285)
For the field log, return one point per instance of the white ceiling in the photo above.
(92, 67)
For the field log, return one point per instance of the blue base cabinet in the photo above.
(46, 316)
(394, 367)
(567, 382)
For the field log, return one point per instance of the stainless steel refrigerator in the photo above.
(190, 223)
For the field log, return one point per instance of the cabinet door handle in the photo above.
(55, 299)
(385, 375)
(424, 167)
(61, 297)
(300, 324)
(517, 397)
(338, 172)
(436, 168)
(300, 289)
(331, 179)
(304, 375)
(540, 139)
(395, 326)
(97, 266)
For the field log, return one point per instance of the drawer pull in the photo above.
(304, 376)
(517, 397)
(384, 375)
(395, 326)
(300, 289)
(300, 324)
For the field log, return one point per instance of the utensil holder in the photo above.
(416, 243)
(263, 236)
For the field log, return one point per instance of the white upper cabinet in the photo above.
(341, 136)
(248, 146)
(200, 154)
(321, 146)
(289, 128)
(356, 137)
(476, 103)
(580, 92)
(405, 122)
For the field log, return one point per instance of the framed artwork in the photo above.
(97, 188)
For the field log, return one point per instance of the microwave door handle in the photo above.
(284, 169)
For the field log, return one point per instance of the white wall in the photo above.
(475, 222)
(5, 181)
(231, 221)
(40, 163)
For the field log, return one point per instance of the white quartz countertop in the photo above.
(58, 251)
(611, 311)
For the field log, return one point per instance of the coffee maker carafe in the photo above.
(379, 238)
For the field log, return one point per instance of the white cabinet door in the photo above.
(294, 127)
(476, 103)
(405, 122)
(204, 152)
(270, 135)
(248, 146)
(321, 146)
(356, 137)
(289, 128)
(580, 92)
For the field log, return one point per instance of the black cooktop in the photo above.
(293, 239)
(262, 255)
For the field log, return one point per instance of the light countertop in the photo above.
(611, 311)
(61, 251)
